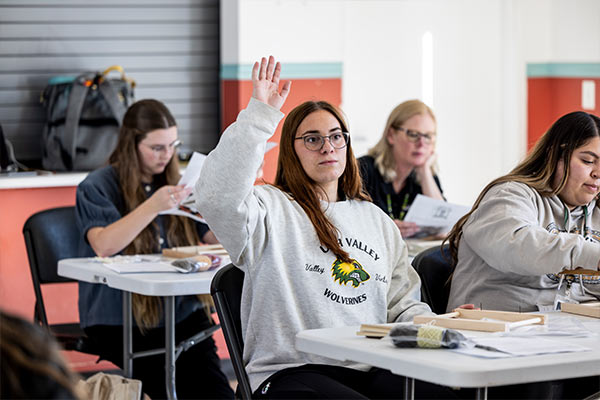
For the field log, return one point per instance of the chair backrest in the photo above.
(50, 236)
(434, 269)
(226, 290)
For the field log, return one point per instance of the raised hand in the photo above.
(265, 83)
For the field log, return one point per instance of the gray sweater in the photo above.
(513, 245)
(292, 282)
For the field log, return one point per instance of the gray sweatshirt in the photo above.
(513, 245)
(292, 282)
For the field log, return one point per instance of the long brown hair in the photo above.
(292, 178)
(32, 365)
(538, 170)
(141, 118)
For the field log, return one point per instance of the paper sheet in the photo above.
(192, 171)
(136, 264)
(435, 214)
(518, 347)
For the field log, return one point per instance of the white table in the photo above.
(164, 284)
(448, 368)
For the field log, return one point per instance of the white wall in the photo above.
(481, 48)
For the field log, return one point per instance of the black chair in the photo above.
(434, 268)
(50, 236)
(226, 290)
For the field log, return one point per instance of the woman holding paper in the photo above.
(118, 210)
(315, 251)
(402, 164)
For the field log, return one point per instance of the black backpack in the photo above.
(84, 115)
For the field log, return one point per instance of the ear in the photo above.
(390, 136)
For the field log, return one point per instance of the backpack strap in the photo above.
(118, 108)
(79, 91)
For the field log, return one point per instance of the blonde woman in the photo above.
(117, 213)
(401, 164)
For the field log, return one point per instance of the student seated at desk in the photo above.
(315, 251)
(529, 225)
(117, 212)
(401, 165)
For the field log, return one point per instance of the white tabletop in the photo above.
(150, 284)
(41, 180)
(448, 368)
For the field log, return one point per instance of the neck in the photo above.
(328, 192)
(402, 172)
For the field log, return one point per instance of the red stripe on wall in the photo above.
(550, 98)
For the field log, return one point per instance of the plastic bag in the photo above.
(426, 336)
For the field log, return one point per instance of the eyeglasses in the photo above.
(161, 148)
(413, 136)
(338, 140)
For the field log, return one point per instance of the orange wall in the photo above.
(236, 94)
(16, 287)
(549, 98)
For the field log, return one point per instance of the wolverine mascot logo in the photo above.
(351, 272)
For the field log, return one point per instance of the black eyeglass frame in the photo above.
(414, 136)
(346, 136)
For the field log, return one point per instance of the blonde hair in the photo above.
(382, 152)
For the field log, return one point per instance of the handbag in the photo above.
(83, 118)
(101, 386)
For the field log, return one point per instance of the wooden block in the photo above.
(590, 309)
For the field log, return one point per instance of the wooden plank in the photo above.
(460, 323)
(110, 30)
(591, 309)
(500, 315)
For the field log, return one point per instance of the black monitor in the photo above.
(4, 161)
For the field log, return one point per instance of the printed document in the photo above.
(434, 215)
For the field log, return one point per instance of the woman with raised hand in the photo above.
(315, 251)
(402, 164)
(118, 213)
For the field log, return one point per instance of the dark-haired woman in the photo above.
(117, 213)
(315, 251)
(31, 364)
(527, 226)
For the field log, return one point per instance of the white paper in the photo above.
(433, 213)
(136, 264)
(520, 347)
(192, 171)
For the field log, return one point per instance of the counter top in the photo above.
(41, 179)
